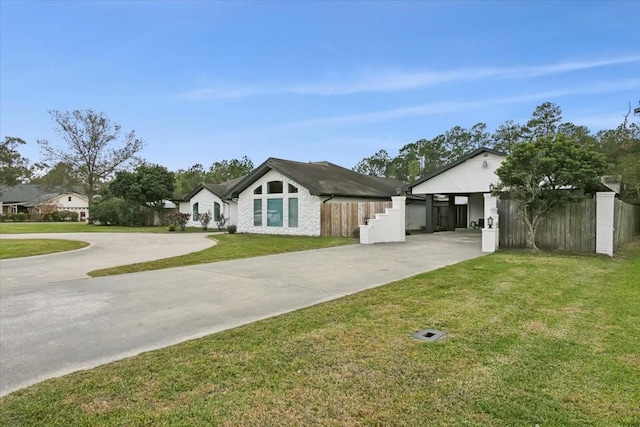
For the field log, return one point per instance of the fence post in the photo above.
(605, 222)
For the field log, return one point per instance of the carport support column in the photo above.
(429, 214)
(490, 236)
(605, 205)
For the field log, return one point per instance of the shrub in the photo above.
(67, 216)
(179, 219)
(55, 216)
(171, 227)
(232, 229)
(21, 216)
(356, 233)
(205, 219)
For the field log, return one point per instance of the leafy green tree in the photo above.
(13, 167)
(376, 165)
(91, 147)
(545, 173)
(546, 118)
(149, 185)
(187, 180)
(506, 135)
(226, 170)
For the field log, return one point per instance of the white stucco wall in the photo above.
(205, 200)
(468, 177)
(308, 208)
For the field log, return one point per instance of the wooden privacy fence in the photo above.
(341, 219)
(626, 222)
(569, 228)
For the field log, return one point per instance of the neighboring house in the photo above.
(285, 197)
(66, 201)
(210, 198)
(15, 199)
(32, 199)
(455, 193)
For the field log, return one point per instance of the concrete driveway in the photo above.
(50, 329)
(106, 250)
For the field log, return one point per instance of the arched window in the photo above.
(293, 188)
(258, 190)
(195, 212)
(216, 211)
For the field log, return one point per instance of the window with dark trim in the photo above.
(274, 187)
(258, 190)
(293, 188)
(216, 211)
(195, 212)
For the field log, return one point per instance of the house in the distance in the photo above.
(286, 197)
(210, 198)
(36, 201)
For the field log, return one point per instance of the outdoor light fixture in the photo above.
(491, 187)
(490, 222)
(485, 164)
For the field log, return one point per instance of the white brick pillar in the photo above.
(490, 236)
(604, 222)
(400, 203)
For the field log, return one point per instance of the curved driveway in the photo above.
(51, 329)
(106, 250)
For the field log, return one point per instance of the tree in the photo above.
(506, 135)
(546, 173)
(91, 147)
(226, 170)
(61, 177)
(187, 180)
(149, 185)
(545, 120)
(13, 167)
(622, 148)
(376, 165)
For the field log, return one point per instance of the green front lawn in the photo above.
(80, 227)
(232, 246)
(16, 248)
(542, 339)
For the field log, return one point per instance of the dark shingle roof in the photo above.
(323, 179)
(20, 193)
(219, 189)
(454, 164)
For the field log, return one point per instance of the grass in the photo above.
(232, 246)
(78, 227)
(531, 339)
(16, 248)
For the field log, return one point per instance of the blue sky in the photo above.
(205, 81)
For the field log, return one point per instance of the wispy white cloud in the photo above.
(371, 81)
(448, 107)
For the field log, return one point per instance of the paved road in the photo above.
(106, 250)
(48, 330)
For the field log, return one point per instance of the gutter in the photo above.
(332, 196)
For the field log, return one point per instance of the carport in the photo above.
(460, 192)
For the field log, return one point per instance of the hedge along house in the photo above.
(455, 194)
(285, 197)
(210, 198)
